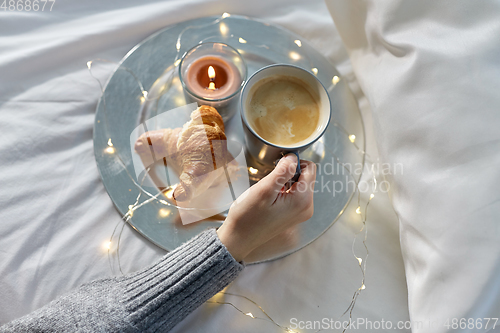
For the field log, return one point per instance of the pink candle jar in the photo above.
(213, 74)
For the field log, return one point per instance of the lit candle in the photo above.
(212, 74)
(212, 77)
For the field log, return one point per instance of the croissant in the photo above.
(155, 145)
(193, 151)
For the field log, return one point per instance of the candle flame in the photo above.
(211, 75)
(211, 72)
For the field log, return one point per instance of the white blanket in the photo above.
(56, 216)
(431, 71)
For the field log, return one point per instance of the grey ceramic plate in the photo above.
(152, 66)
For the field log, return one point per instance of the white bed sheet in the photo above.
(431, 72)
(56, 215)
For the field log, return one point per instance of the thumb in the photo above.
(283, 172)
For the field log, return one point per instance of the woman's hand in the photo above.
(266, 209)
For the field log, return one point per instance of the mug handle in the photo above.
(298, 171)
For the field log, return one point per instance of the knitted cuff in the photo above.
(160, 296)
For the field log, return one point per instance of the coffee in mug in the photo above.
(283, 110)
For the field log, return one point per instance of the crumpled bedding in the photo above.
(56, 217)
(431, 72)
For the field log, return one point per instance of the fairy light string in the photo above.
(249, 314)
(363, 213)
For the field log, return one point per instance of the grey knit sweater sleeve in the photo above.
(154, 299)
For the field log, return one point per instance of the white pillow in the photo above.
(431, 71)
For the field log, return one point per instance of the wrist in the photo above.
(234, 242)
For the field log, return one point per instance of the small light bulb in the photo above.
(89, 64)
(178, 45)
(363, 287)
(250, 314)
(223, 28)
(164, 212)
(352, 138)
(177, 62)
(372, 196)
(110, 150)
(225, 15)
(110, 143)
(145, 94)
(242, 41)
(335, 80)
(294, 55)
(358, 210)
(253, 171)
(107, 245)
(315, 71)
(360, 260)
(298, 42)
